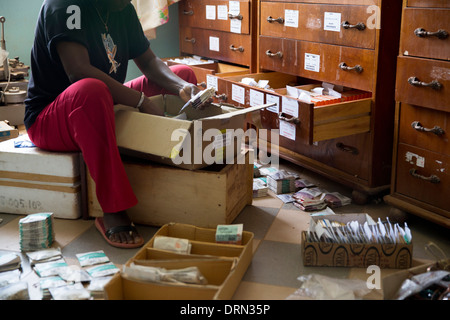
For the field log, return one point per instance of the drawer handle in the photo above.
(356, 68)
(279, 20)
(189, 40)
(233, 48)
(417, 83)
(221, 97)
(433, 178)
(279, 54)
(359, 26)
(436, 130)
(346, 148)
(234, 16)
(422, 33)
(293, 120)
(188, 13)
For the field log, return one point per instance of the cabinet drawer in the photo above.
(428, 3)
(348, 2)
(423, 175)
(297, 120)
(230, 47)
(351, 67)
(423, 82)
(215, 15)
(318, 23)
(425, 128)
(414, 39)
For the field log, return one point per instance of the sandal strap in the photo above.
(119, 229)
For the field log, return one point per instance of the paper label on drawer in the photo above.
(289, 106)
(287, 130)
(238, 94)
(412, 157)
(210, 12)
(273, 99)
(234, 8)
(256, 98)
(211, 82)
(291, 18)
(312, 62)
(222, 13)
(214, 44)
(332, 21)
(235, 26)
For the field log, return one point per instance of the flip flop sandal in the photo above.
(107, 233)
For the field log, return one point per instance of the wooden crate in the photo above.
(205, 198)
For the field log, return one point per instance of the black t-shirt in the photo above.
(108, 51)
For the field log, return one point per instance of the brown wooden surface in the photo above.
(428, 3)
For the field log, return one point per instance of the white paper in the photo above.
(214, 44)
(234, 8)
(222, 13)
(332, 21)
(211, 82)
(210, 12)
(256, 98)
(238, 94)
(291, 18)
(312, 62)
(273, 99)
(235, 25)
(289, 106)
(287, 130)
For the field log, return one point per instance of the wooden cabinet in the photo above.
(420, 178)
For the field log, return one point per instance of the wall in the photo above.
(21, 16)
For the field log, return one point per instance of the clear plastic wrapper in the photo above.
(15, 291)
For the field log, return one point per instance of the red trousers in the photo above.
(82, 119)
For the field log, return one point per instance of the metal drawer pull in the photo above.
(433, 178)
(359, 26)
(188, 13)
(279, 19)
(436, 130)
(356, 68)
(279, 54)
(417, 83)
(422, 33)
(240, 49)
(346, 148)
(293, 120)
(189, 40)
(238, 17)
(222, 97)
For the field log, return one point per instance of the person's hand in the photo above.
(149, 107)
(188, 91)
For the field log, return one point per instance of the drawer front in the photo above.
(318, 23)
(425, 128)
(428, 3)
(425, 33)
(215, 15)
(351, 67)
(423, 175)
(423, 82)
(348, 2)
(230, 47)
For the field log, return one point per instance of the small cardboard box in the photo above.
(361, 255)
(209, 136)
(205, 197)
(7, 132)
(223, 265)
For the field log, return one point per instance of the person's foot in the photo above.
(120, 219)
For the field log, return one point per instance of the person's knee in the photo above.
(93, 87)
(185, 72)
(93, 94)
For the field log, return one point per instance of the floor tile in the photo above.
(258, 291)
(288, 225)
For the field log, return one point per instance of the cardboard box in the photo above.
(323, 254)
(209, 136)
(33, 180)
(223, 265)
(205, 197)
(7, 132)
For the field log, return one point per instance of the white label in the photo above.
(211, 81)
(214, 44)
(235, 26)
(291, 18)
(420, 161)
(211, 12)
(312, 62)
(273, 99)
(256, 98)
(332, 21)
(238, 94)
(289, 106)
(222, 12)
(234, 8)
(287, 130)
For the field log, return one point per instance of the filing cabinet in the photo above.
(420, 181)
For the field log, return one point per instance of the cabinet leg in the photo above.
(397, 215)
(359, 197)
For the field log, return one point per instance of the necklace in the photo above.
(107, 17)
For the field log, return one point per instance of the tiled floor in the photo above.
(277, 261)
